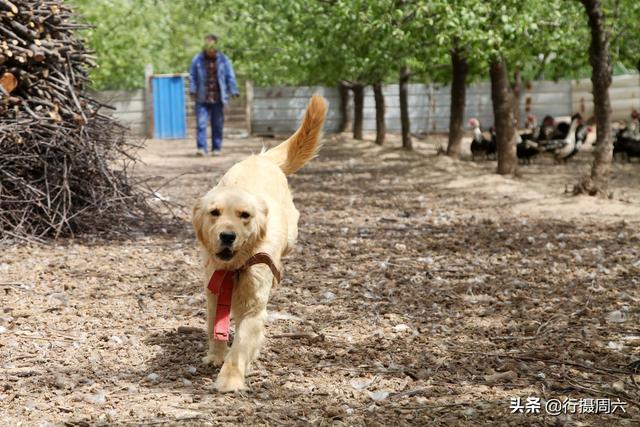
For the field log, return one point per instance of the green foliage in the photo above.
(128, 34)
(539, 38)
(317, 42)
(266, 40)
(623, 22)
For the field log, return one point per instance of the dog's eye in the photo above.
(245, 215)
(215, 212)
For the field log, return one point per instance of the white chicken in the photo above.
(563, 148)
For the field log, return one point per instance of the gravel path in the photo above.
(409, 300)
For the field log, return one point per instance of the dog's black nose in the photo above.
(227, 237)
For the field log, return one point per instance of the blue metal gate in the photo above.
(169, 116)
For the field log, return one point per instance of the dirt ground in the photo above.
(424, 291)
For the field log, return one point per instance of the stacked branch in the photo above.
(63, 162)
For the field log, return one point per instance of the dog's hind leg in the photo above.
(246, 345)
(292, 231)
(217, 349)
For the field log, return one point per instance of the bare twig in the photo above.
(300, 335)
(549, 361)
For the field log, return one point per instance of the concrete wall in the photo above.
(624, 92)
(279, 109)
(543, 98)
(129, 108)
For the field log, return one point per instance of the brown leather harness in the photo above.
(262, 258)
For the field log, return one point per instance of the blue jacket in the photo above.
(198, 78)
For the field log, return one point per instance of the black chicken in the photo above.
(480, 145)
(527, 150)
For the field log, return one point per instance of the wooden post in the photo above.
(248, 88)
(148, 100)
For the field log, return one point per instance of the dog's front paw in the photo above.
(230, 379)
(213, 359)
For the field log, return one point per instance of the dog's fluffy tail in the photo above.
(303, 145)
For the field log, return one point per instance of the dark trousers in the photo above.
(214, 113)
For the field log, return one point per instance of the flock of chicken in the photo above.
(560, 139)
(627, 138)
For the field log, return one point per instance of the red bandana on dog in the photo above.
(221, 284)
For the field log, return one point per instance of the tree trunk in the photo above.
(501, 97)
(460, 68)
(598, 181)
(516, 89)
(358, 105)
(345, 116)
(404, 109)
(379, 101)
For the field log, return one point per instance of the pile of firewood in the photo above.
(62, 161)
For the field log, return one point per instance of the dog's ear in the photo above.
(262, 218)
(196, 219)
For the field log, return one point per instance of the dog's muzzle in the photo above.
(225, 254)
(226, 243)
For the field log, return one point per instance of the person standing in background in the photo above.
(211, 83)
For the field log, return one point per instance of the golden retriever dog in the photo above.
(250, 212)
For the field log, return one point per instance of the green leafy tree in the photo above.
(316, 42)
(514, 36)
(128, 34)
(451, 32)
(613, 26)
(622, 20)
